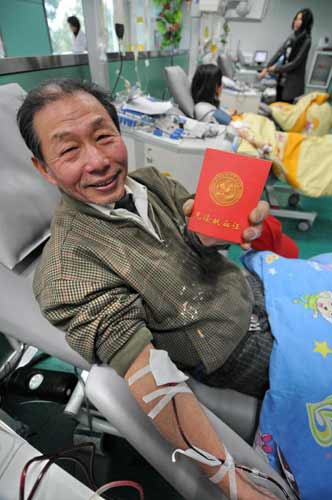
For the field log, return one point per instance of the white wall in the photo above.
(270, 33)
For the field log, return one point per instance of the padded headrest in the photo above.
(225, 63)
(27, 201)
(179, 86)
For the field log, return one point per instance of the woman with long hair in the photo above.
(206, 89)
(289, 62)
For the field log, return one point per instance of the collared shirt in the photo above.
(140, 199)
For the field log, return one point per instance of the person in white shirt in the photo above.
(79, 41)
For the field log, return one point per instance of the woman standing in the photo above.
(289, 62)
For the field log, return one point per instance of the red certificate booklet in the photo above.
(229, 188)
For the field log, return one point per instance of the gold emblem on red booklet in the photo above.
(226, 189)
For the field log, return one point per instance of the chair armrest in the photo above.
(111, 396)
(239, 411)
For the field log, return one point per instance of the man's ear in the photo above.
(43, 170)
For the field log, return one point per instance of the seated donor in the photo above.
(131, 286)
(206, 89)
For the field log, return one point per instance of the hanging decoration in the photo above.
(169, 22)
(225, 33)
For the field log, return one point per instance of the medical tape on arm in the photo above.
(139, 374)
(228, 467)
(168, 393)
(164, 372)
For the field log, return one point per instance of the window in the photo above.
(2, 47)
(57, 12)
(112, 42)
(140, 20)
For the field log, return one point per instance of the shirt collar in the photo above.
(133, 187)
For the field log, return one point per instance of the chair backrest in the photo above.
(225, 63)
(27, 203)
(179, 86)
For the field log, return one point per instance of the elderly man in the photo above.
(127, 281)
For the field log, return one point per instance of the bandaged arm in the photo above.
(194, 424)
(246, 133)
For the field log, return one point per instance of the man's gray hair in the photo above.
(51, 91)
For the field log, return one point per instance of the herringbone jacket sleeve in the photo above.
(103, 321)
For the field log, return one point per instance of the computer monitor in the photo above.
(321, 70)
(260, 56)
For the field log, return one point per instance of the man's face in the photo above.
(82, 148)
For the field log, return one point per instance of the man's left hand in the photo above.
(251, 233)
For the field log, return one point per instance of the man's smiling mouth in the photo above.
(106, 183)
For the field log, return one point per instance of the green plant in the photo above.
(169, 22)
(225, 33)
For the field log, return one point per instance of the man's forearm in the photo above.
(194, 425)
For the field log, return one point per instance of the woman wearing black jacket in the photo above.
(289, 61)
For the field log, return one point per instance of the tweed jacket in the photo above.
(113, 287)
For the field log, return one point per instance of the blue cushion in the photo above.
(296, 417)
